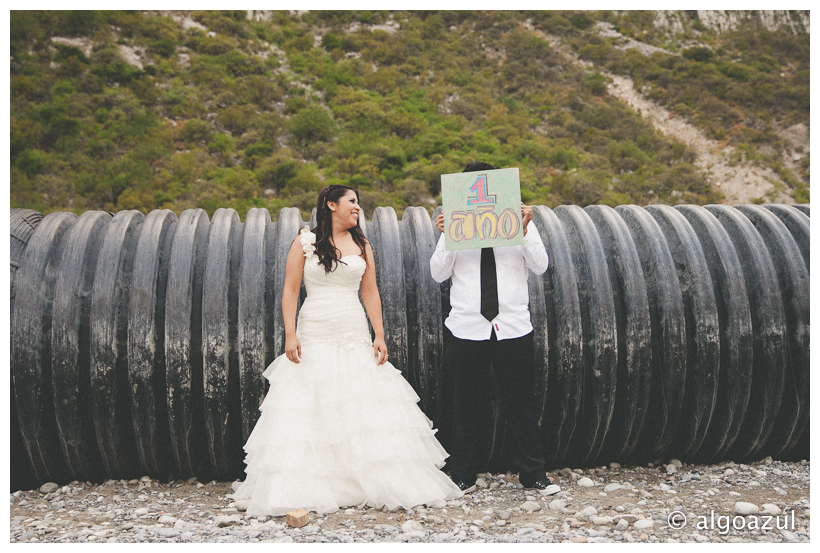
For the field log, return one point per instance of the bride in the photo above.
(339, 425)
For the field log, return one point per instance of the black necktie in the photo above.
(489, 285)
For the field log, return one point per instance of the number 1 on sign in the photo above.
(480, 189)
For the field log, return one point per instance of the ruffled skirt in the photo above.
(338, 430)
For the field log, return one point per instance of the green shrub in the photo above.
(276, 171)
(626, 156)
(236, 119)
(595, 83)
(221, 143)
(311, 124)
(78, 22)
(331, 42)
(165, 47)
(117, 72)
(33, 162)
(294, 105)
(564, 159)
(66, 52)
(698, 53)
(196, 130)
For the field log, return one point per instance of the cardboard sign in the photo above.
(482, 209)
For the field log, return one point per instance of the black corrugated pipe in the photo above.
(138, 342)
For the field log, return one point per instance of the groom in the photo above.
(493, 330)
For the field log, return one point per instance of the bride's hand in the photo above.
(380, 351)
(293, 348)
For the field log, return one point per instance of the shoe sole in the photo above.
(552, 489)
(468, 490)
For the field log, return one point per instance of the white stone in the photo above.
(744, 508)
(589, 511)
(601, 521)
(531, 506)
(557, 504)
(770, 509)
(141, 511)
(586, 482)
(671, 469)
(412, 526)
(614, 465)
(167, 519)
(222, 521)
(644, 523)
(49, 487)
(728, 472)
(612, 486)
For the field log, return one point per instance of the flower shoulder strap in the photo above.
(308, 240)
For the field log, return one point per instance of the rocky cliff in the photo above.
(794, 21)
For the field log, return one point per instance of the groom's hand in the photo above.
(526, 216)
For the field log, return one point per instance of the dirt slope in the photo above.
(740, 182)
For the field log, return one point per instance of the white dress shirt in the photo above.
(511, 263)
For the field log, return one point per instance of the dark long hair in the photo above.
(474, 166)
(327, 252)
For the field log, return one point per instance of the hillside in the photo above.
(146, 110)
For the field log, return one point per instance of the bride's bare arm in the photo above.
(294, 269)
(373, 304)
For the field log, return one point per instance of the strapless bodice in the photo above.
(332, 311)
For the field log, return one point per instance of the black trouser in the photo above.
(468, 366)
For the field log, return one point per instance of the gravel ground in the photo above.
(607, 504)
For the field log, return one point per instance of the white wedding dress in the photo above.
(337, 429)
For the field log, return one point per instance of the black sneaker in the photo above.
(465, 487)
(544, 486)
